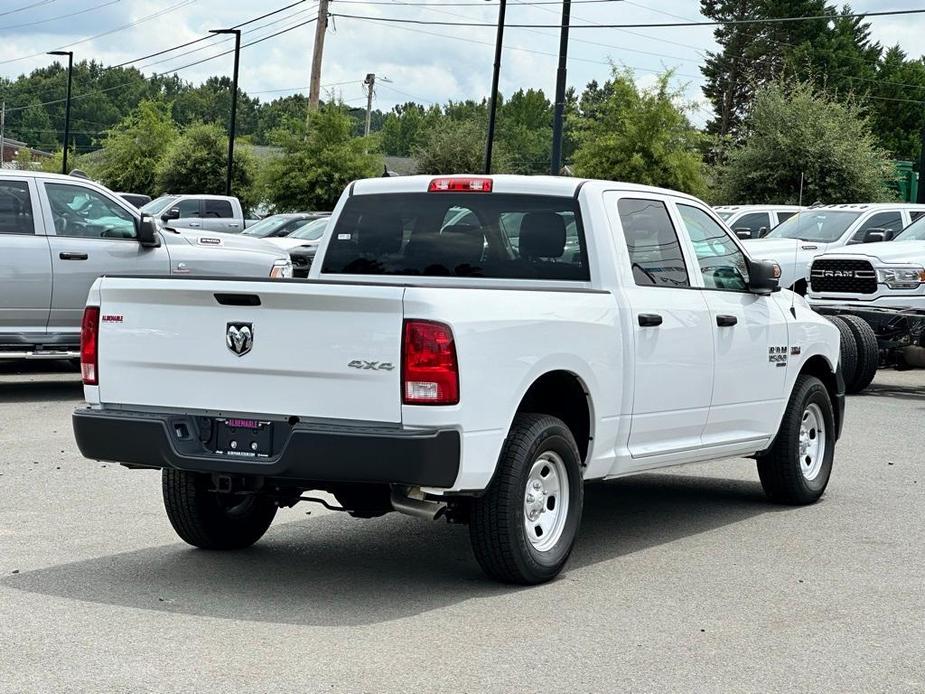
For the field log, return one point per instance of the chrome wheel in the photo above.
(546, 501)
(812, 441)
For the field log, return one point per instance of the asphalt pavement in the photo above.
(682, 581)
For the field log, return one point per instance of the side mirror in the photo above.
(762, 232)
(743, 232)
(763, 277)
(876, 235)
(147, 232)
(172, 213)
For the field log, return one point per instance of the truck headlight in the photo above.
(282, 269)
(901, 277)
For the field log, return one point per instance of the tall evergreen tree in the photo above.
(729, 76)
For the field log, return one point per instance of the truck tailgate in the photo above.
(182, 344)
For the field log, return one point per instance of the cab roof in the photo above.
(505, 183)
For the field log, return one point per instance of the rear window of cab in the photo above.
(449, 234)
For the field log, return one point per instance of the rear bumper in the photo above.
(308, 452)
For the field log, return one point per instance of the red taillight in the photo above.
(460, 185)
(430, 375)
(89, 346)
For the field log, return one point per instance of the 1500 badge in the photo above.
(778, 355)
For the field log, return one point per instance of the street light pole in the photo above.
(493, 105)
(556, 159)
(67, 106)
(234, 103)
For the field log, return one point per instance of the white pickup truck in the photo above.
(475, 348)
(795, 242)
(884, 285)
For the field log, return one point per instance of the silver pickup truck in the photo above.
(58, 234)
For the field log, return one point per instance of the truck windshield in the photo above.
(815, 225)
(311, 230)
(490, 235)
(267, 227)
(155, 207)
(913, 232)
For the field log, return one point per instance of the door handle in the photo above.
(726, 321)
(233, 225)
(649, 320)
(67, 255)
(195, 225)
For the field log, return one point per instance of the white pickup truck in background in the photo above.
(203, 212)
(469, 347)
(883, 285)
(824, 228)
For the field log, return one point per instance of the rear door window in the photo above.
(15, 208)
(652, 242)
(490, 235)
(218, 209)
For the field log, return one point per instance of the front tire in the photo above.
(523, 528)
(210, 520)
(797, 467)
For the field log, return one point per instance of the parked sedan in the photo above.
(281, 225)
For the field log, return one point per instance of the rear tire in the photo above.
(523, 528)
(868, 353)
(848, 359)
(210, 520)
(797, 467)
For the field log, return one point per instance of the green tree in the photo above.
(525, 129)
(794, 130)
(196, 162)
(318, 161)
(134, 148)
(728, 73)
(895, 107)
(640, 136)
(458, 148)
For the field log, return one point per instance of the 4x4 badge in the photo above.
(239, 337)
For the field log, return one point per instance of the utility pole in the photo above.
(321, 27)
(369, 82)
(2, 128)
(234, 103)
(493, 106)
(920, 195)
(556, 159)
(67, 106)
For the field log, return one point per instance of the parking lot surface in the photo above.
(685, 580)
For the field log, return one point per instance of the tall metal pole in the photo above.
(67, 105)
(920, 195)
(493, 105)
(234, 103)
(555, 163)
(2, 129)
(321, 27)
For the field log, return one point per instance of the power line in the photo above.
(536, 52)
(215, 44)
(645, 25)
(205, 38)
(481, 4)
(153, 15)
(27, 7)
(126, 84)
(60, 16)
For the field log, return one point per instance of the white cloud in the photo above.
(433, 63)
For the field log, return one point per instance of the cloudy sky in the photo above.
(423, 63)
